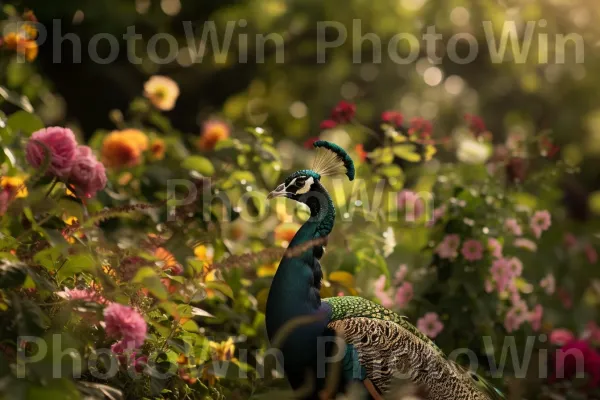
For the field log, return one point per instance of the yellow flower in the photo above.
(223, 351)
(157, 149)
(204, 253)
(430, 151)
(284, 233)
(267, 270)
(212, 133)
(119, 150)
(30, 50)
(162, 92)
(14, 184)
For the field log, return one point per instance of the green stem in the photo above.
(52, 186)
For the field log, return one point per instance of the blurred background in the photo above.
(550, 90)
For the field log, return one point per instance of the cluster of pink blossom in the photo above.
(413, 205)
(125, 323)
(69, 162)
(430, 324)
(540, 222)
(567, 361)
(121, 322)
(404, 291)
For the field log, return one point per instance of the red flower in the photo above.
(308, 144)
(421, 126)
(360, 151)
(569, 358)
(343, 112)
(327, 124)
(476, 124)
(392, 117)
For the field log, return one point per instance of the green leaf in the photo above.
(149, 279)
(221, 287)
(407, 151)
(76, 264)
(25, 122)
(16, 99)
(199, 164)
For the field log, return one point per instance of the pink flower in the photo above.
(495, 247)
(548, 284)
(488, 286)
(540, 222)
(327, 124)
(400, 274)
(570, 240)
(381, 293)
(88, 294)
(88, 174)
(561, 336)
(591, 254)
(449, 246)
(343, 112)
(535, 317)
(512, 226)
(404, 294)
(516, 316)
(438, 213)
(515, 266)
(430, 325)
(412, 203)
(569, 358)
(526, 244)
(392, 117)
(61, 144)
(472, 250)
(125, 322)
(500, 271)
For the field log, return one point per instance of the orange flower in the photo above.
(11, 40)
(23, 43)
(360, 151)
(157, 149)
(162, 92)
(167, 258)
(119, 150)
(284, 233)
(138, 138)
(212, 133)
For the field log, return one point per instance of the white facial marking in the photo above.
(306, 187)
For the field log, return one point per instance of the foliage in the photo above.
(466, 236)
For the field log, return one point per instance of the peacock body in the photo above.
(378, 344)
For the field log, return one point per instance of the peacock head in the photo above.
(331, 159)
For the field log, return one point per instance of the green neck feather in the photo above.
(296, 285)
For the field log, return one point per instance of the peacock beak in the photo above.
(278, 192)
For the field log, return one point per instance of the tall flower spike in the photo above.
(331, 159)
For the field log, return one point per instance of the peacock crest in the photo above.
(331, 159)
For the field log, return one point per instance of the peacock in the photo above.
(377, 343)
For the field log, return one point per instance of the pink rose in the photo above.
(88, 174)
(62, 146)
(561, 336)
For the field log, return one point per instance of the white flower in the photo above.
(390, 241)
(473, 152)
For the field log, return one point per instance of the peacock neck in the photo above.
(297, 283)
